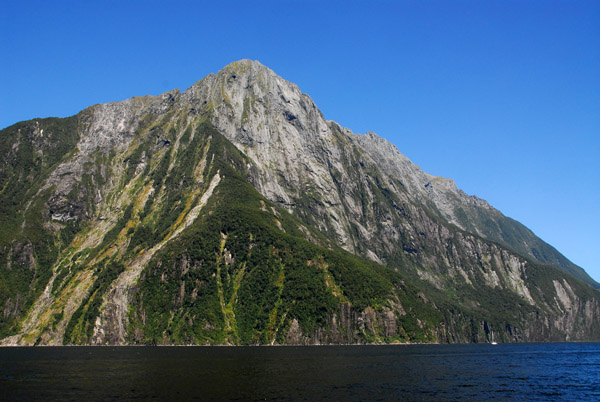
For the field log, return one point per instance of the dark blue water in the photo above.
(544, 372)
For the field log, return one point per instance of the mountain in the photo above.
(234, 213)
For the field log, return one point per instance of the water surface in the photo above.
(555, 372)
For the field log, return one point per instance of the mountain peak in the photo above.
(249, 102)
(246, 70)
(245, 65)
(241, 70)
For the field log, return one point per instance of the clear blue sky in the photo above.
(501, 96)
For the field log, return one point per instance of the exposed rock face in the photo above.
(217, 215)
(299, 154)
(282, 131)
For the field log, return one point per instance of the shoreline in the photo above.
(288, 345)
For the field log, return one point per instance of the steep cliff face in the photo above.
(304, 159)
(235, 213)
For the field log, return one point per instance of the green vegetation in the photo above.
(80, 327)
(28, 249)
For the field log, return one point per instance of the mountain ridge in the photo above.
(440, 191)
(233, 212)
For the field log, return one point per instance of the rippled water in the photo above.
(561, 372)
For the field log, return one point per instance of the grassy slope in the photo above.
(28, 248)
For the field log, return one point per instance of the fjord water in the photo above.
(560, 372)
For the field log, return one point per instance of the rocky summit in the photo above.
(235, 213)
